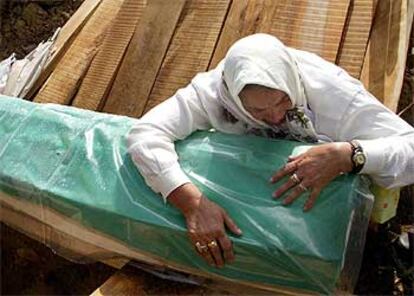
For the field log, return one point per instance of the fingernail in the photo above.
(271, 180)
(275, 195)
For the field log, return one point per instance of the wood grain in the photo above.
(356, 35)
(143, 59)
(63, 83)
(100, 75)
(384, 63)
(191, 48)
(245, 17)
(122, 282)
(65, 38)
(315, 26)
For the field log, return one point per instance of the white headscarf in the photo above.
(262, 59)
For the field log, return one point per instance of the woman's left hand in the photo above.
(313, 170)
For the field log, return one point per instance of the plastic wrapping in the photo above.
(18, 76)
(71, 167)
(5, 67)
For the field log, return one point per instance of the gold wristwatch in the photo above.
(358, 157)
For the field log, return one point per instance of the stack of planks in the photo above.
(127, 56)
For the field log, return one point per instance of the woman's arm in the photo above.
(151, 146)
(386, 139)
(151, 140)
(387, 142)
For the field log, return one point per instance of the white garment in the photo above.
(338, 106)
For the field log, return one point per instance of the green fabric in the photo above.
(75, 162)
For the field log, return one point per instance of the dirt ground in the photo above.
(28, 267)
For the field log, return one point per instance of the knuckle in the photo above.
(192, 231)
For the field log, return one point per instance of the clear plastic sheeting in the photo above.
(5, 67)
(18, 76)
(73, 165)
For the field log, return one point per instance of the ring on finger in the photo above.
(201, 248)
(303, 187)
(295, 178)
(212, 244)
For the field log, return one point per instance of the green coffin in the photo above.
(75, 162)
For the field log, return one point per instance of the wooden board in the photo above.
(98, 79)
(245, 17)
(64, 81)
(65, 38)
(72, 238)
(384, 64)
(55, 229)
(60, 242)
(356, 35)
(143, 59)
(315, 26)
(122, 282)
(191, 48)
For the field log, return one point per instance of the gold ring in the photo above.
(303, 187)
(201, 248)
(295, 178)
(212, 244)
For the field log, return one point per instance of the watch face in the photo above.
(359, 158)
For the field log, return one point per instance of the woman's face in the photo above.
(265, 104)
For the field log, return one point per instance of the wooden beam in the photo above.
(99, 77)
(52, 228)
(62, 243)
(65, 38)
(315, 26)
(245, 17)
(143, 59)
(122, 282)
(64, 81)
(384, 64)
(356, 35)
(191, 48)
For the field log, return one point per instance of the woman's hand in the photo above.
(313, 170)
(206, 223)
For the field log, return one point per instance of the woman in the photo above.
(266, 88)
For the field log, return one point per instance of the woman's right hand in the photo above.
(206, 223)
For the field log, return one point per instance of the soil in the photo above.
(24, 24)
(28, 267)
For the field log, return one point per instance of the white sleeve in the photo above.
(386, 139)
(151, 139)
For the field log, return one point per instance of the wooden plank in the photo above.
(315, 26)
(384, 64)
(65, 38)
(356, 35)
(245, 17)
(64, 81)
(143, 59)
(122, 282)
(191, 48)
(54, 229)
(99, 77)
(62, 243)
